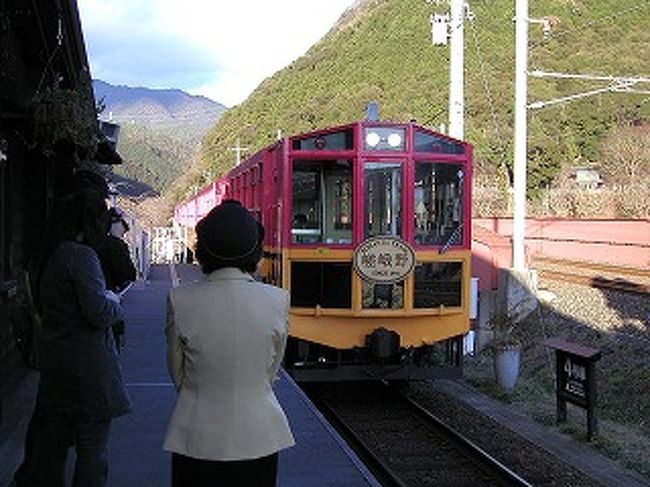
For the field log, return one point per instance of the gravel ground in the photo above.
(532, 463)
(618, 324)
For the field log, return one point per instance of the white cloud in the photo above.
(219, 48)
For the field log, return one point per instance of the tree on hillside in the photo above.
(626, 155)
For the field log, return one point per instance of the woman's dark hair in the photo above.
(229, 236)
(81, 213)
(87, 179)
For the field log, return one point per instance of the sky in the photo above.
(221, 49)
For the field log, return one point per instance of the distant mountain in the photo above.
(160, 130)
(171, 111)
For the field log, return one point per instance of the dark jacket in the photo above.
(116, 263)
(80, 374)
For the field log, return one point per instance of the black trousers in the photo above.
(49, 437)
(191, 472)
(90, 438)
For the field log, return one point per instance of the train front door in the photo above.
(383, 215)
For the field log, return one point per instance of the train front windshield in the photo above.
(383, 199)
(438, 203)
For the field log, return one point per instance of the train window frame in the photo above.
(316, 277)
(315, 226)
(454, 209)
(397, 162)
(439, 143)
(460, 292)
(325, 141)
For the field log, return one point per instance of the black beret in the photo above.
(230, 236)
(86, 179)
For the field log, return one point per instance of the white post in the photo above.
(456, 67)
(238, 149)
(521, 88)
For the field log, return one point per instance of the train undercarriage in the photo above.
(380, 359)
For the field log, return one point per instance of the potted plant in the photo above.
(66, 117)
(506, 350)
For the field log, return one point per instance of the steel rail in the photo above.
(482, 461)
(595, 266)
(596, 282)
(603, 276)
(502, 470)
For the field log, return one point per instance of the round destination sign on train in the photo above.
(384, 259)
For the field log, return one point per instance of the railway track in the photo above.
(605, 276)
(403, 444)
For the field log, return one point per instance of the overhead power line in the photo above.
(622, 84)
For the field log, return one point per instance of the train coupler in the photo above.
(383, 343)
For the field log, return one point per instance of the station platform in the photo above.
(320, 458)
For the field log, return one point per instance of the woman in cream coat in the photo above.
(225, 340)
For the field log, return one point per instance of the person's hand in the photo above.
(111, 296)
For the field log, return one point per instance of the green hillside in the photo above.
(152, 156)
(382, 51)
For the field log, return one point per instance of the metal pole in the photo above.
(521, 88)
(456, 68)
(238, 149)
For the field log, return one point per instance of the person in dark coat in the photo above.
(117, 265)
(118, 272)
(81, 388)
(114, 255)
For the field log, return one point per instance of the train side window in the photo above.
(426, 142)
(343, 140)
(438, 203)
(438, 284)
(322, 202)
(324, 284)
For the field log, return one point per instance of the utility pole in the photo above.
(450, 27)
(521, 135)
(456, 70)
(238, 149)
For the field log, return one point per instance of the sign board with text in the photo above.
(575, 368)
(384, 259)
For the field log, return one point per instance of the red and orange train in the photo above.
(368, 228)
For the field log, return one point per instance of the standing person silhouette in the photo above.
(113, 254)
(81, 387)
(86, 187)
(226, 336)
(117, 265)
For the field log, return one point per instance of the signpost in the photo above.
(575, 368)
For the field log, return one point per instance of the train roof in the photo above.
(360, 135)
(369, 125)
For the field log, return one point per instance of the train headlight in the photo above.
(372, 139)
(394, 140)
(385, 138)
